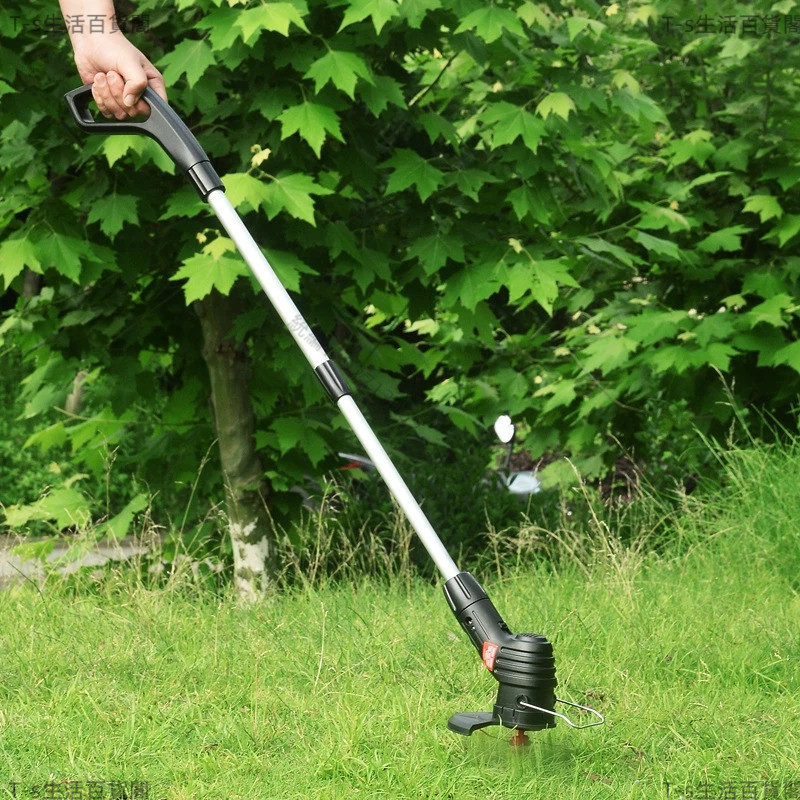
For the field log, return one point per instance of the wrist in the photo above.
(86, 21)
(85, 41)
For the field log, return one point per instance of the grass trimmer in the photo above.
(522, 663)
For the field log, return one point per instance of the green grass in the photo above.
(343, 691)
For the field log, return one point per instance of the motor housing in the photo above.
(522, 663)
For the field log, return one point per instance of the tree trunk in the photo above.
(248, 522)
(74, 402)
(31, 283)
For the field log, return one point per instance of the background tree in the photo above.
(580, 214)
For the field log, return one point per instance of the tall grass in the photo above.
(679, 621)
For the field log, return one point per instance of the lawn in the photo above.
(342, 690)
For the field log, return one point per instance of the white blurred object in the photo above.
(523, 483)
(504, 428)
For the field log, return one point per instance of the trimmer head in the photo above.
(522, 664)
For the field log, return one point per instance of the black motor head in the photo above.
(522, 664)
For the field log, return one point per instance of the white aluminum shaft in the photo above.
(315, 354)
(266, 276)
(397, 486)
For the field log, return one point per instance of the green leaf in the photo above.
(508, 122)
(786, 229)
(607, 352)
(715, 327)
(736, 48)
(472, 284)
(342, 69)
(292, 193)
(765, 205)
(52, 436)
(65, 506)
(433, 251)
(470, 181)
(437, 126)
(597, 245)
(115, 147)
(694, 145)
(539, 279)
(557, 103)
(15, 255)
(651, 327)
(382, 91)
(112, 211)
(789, 355)
(64, 254)
(655, 244)
(212, 268)
(288, 267)
(771, 311)
(222, 27)
(411, 169)
(311, 121)
(185, 202)
(734, 153)
(560, 393)
(381, 12)
(293, 431)
(191, 57)
(724, 239)
(763, 282)
(559, 474)
(245, 190)
(268, 17)
(416, 10)
(489, 22)
(655, 217)
(575, 25)
(717, 354)
(119, 525)
(787, 175)
(683, 192)
(532, 14)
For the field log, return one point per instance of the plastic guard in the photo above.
(468, 722)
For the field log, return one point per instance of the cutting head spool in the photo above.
(522, 664)
(526, 672)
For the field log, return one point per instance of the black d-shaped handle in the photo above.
(163, 125)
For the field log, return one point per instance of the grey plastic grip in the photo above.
(163, 125)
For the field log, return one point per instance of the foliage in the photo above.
(22, 474)
(565, 211)
(463, 500)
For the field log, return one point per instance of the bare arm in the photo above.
(118, 71)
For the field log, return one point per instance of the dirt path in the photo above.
(15, 568)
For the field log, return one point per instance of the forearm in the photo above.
(118, 71)
(86, 18)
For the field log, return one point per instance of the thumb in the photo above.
(130, 67)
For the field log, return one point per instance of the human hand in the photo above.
(118, 72)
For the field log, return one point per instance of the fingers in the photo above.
(118, 93)
(129, 65)
(156, 83)
(155, 80)
(109, 92)
(103, 93)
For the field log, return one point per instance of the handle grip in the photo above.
(163, 125)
